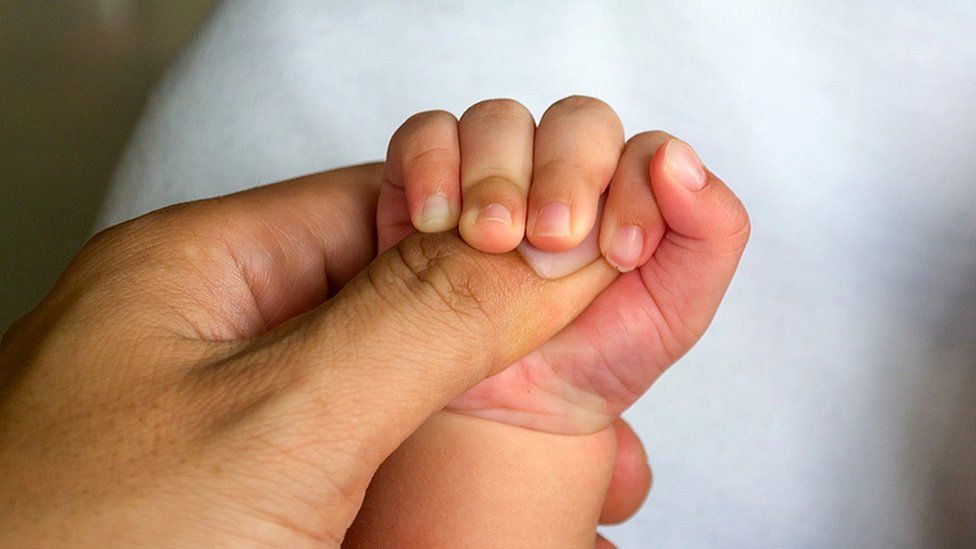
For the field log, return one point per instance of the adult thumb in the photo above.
(425, 321)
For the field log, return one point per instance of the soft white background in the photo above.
(833, 402)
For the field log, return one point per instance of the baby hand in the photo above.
(672, 227)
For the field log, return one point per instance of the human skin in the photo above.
(215, 373)
(556, 404)
(234, 371)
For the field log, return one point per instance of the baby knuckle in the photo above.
(731, 219)
(740, 226)
(424, 120)
(497, 108)
(419, 166)
(584, 104)
(580, 102)
(652, 139)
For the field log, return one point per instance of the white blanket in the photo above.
(833, 401)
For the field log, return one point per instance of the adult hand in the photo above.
(190, 380)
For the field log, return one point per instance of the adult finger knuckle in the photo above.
(161, 245)
(123, 234)
(121, 244)
(443, 276)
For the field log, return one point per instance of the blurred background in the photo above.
(832, 402)
(73, 79)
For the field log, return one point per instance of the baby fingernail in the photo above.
(496, 213)
(684, 165)
(435, 215)
(626, 248)
(552, 220)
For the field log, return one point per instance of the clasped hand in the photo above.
(238, 369)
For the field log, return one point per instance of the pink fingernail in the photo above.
(435, 215)
(550, 265)
(684, 166)
(552, 220)
(495, 212)
(626, 248)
